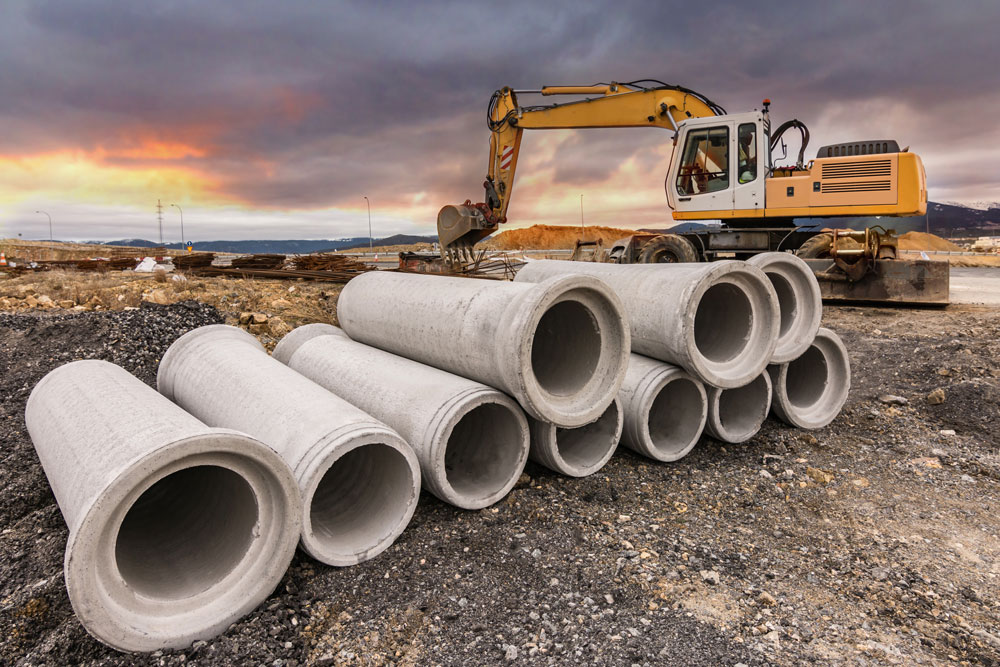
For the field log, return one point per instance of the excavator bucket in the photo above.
(459, 228)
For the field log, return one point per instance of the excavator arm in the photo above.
(635, 104)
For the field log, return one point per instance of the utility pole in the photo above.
(583, 230)
(370, 244)
(183, 242)
(159, 217)
(50, 223)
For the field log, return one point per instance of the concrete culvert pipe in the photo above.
(359, 479)
(176, 530)
(664, 408)
(559, 347)
(810, 391)
(735, 415)
(294, 339)
(717, 320)
(799, 303)
(471, 440)
(580, 451)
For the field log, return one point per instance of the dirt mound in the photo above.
(924, 241)
(551, 237)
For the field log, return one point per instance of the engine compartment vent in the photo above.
(865, 169)
(857, 186)
(873, 147)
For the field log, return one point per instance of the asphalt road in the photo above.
(975, 285)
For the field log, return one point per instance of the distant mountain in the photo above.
(395, 239)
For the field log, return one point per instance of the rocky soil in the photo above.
(872, 541)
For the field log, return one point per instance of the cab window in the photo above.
(704, 162)
(748, 152)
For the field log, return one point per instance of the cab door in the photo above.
(702, 178)
(749, 166)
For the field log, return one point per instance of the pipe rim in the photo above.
(649, 397)
(434, 466)
(555, 456)
(762, 329)
(761, 407)
(588, 402)
(828, 405)
(123, 618)
(299, 336)
(311, 474)
(800, 333)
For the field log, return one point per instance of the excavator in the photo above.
(724, 168)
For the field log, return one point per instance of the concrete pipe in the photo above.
(735, 415)
(176, 530)
(664, 407)
(294, 339)
(580, 451)
(471, 440)
(359, 479)
(717, 320)
(559, 348)
(810, 391)
(799, 304)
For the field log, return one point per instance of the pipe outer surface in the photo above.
(471, 440)
(559, 348)
(799, 302)
(580, 451)
(717, 320)
(665, 409)
(810, 391)
(176, 530)
(359, 479)
(735, 415)
(294, 339)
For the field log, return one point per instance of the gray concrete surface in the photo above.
(559, 348)
(359, 479)
(176, 529)
(735, 415)
(581, 451)
(809, 392)
(718, 320)
(471, 440)
(975, 285)
(664, 408)
(799, 303)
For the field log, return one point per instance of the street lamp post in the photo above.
(50, 222)
(583, 230)
(183, 242)
(370, 244)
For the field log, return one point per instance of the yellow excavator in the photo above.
(724, 168)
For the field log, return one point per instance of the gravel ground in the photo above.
(871, 541)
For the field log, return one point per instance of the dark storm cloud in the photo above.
(310, 104)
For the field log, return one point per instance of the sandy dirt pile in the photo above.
(924, 241)
(551, 237)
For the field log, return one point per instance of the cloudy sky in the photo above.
(275, 119)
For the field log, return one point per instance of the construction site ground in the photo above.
(872, 541)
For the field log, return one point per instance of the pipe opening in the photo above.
(723, 322)
(484, 451)
(743, 409)
(361, 499)
(586, 446)
(787, 303)
(565, 348)
(807, 378)
(186, 532)
(675, 416)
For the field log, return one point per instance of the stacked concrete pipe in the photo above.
(664, 407)
(717, 320)
(799, 302)
(359, 479)
(176, 530)
(471, 440)
(580, 451)
(735, 415)
(810, 391)
(559, 347)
